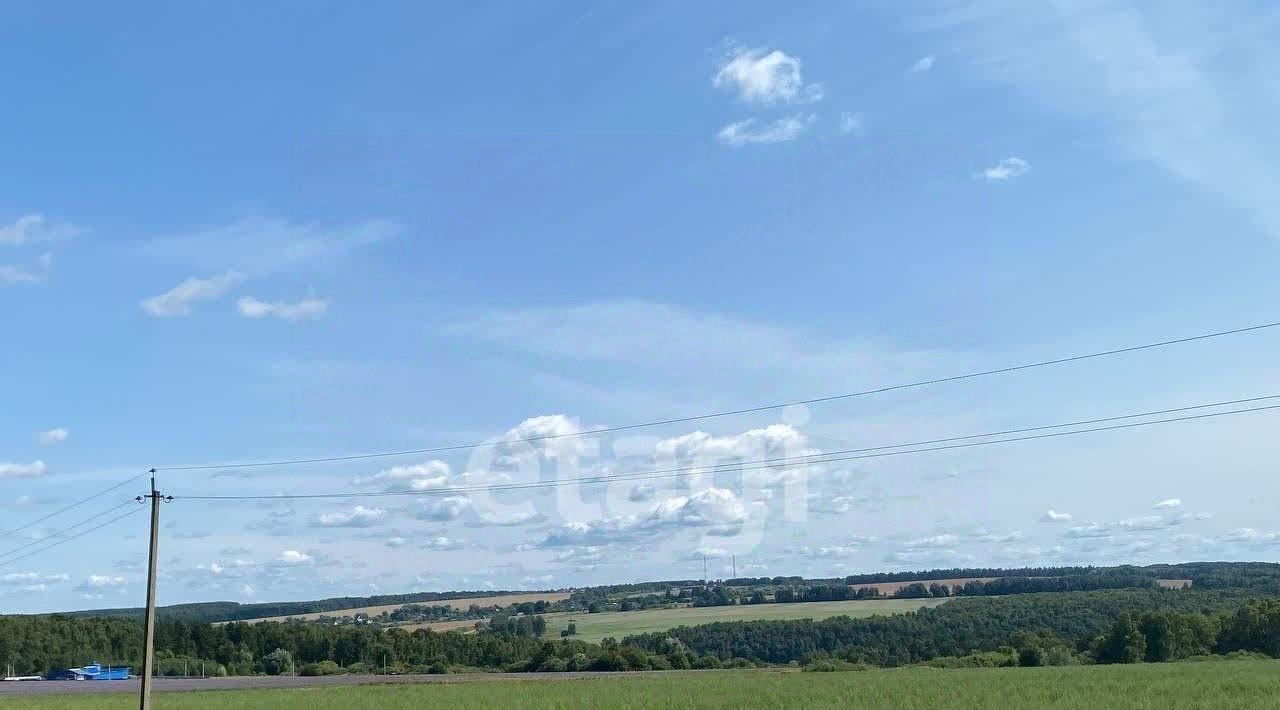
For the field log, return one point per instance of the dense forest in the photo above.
(235, 611)
(953, 629)
(1020, 617)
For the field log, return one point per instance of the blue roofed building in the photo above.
(94, 671)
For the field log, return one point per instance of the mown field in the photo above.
(1228, 685)
(619, 624)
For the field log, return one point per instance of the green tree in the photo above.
(1124, 643)
(278, 662)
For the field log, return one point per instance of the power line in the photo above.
(725, 413)
(73, 537)
(78, 503)
(58, 533)
(743, 466)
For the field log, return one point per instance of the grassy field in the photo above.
(1229, 685)
(618, 624)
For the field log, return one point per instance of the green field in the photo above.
(619, 624)
(1226, 685)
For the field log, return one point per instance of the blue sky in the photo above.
(284, 232)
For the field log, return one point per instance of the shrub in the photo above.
(322, 668)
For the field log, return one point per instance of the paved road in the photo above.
(66, 687)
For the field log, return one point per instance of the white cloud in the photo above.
(310, 308)
(177, 301)
(1168, 503)
(357, 517)
(944, 540)
(1006, 169)
(751, 130)
(1053, 516)
(417, 477)
(35, 229)
(397, 541)
(261, 246)
(761, 76)
(921, 65)
(1091, 530)
(53, 436)
(23, 470)
(293, 557)
(247, 591)
(713, 507)
(98, 582)
(852, 124)
(441, 544)
(29, 579)
(443, 509)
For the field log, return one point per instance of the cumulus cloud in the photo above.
(1090, 530)
(936, 541)
(752, 130)
(52, 436)
(416, 477)
(293, 557)
(443, 509)
(441, 544)
(717, 508)
(1053, 516)
(921, 65)
(1168, 503)
(99, 582)
(766, 77)
(307, 309)
(1006, 169)
(34, 469)
(357, 517)
(177, 301)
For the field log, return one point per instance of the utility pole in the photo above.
(735, 565)
(149, 625)
(704, 571)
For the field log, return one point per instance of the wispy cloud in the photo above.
(752, 130)
(1174, 83)
(852, 124)
(306, 309)
(766, 77)
(53, 436)
(261, 246)
(1053, 516)
(921, 65)
(1006, 169)
(177, 301)
(34, 469)
(1168, 503)
(357, 517)
(36, 229)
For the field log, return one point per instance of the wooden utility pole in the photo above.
(149, 625)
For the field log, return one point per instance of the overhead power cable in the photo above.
(82, 501)
(77, 536)
(59, 533)
(725, 413)
(830, 457)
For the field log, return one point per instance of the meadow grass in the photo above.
(620, 624)
(1229, 685)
